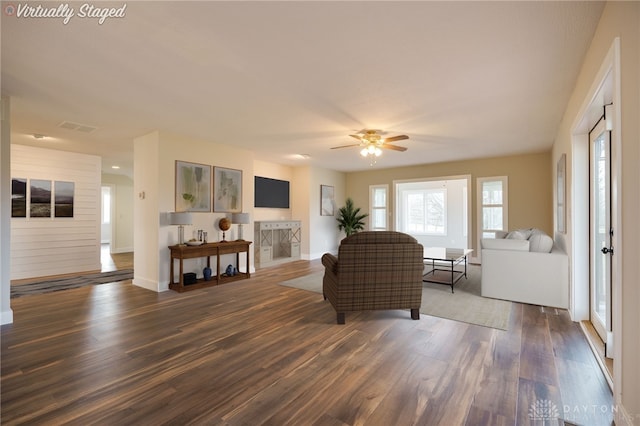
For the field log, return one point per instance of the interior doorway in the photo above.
(604, 94)
(106, 227)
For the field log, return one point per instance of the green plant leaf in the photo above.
(349, 219)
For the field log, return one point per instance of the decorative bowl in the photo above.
(193, 243)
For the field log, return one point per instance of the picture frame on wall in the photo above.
(63, 194)
(327, 200)
(40, 200)
(193, 187)
(561, 207)
(227, 190)
(18, 197)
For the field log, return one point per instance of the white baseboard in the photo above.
(122, 250)
(314, 256)
(622, 417)
(148, 284)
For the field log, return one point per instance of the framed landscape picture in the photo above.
(193, 187)
(63, 198)
(327, 200)
(18, 197)
(227, 190)
(40, 202)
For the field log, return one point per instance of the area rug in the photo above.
(59, 284)
(465, 304)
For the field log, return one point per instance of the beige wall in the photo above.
(529, 177)
(319, 233)
(619, 20)
(274, 171)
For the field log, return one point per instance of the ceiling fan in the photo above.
(371, 142)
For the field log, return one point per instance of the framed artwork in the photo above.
(561, 207)
(327, 200)
(18, 197)
(227, 190)
(63, 198)
(40, 202)
(193, 187)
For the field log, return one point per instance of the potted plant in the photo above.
(350, 219)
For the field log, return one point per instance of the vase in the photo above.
(207, 273)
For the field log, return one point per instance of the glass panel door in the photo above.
(600, 230)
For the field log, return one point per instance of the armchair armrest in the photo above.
(330, 262)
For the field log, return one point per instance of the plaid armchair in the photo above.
(374, 270)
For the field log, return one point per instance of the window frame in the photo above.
(481, 206)
(373, 208)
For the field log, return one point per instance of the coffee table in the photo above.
(443, 262)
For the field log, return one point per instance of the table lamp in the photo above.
(180, 219)
(240, 219)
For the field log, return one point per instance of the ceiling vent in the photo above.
(77, 127)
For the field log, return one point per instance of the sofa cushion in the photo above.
(540, 242)
(516, 235)
(504, 244)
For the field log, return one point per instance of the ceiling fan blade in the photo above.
(394, 147)
(359, 137)
(345, 146)
(396, 138)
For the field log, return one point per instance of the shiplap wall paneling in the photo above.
(52, 246)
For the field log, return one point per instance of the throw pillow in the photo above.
(540, 242)
(526, 232)
(516, 235)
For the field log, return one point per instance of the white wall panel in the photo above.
(52, 246)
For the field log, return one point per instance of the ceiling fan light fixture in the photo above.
(371, 150)
(371, 144)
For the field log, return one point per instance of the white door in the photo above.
(601, 231)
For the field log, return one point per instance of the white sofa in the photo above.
(525, 266)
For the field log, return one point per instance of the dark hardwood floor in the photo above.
(253, 352)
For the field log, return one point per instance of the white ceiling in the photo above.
(462, 79)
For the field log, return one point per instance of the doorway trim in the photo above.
(604, 90)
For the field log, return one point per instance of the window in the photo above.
(379, 202)
(424, 211)
(492, 202)
(434, 210)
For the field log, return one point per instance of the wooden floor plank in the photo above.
(253, 352)
(496, 397)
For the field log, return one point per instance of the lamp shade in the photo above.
(180, 218)
(240, 218)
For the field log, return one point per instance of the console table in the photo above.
(181, 252)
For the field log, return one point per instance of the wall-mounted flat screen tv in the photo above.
(271, 193)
